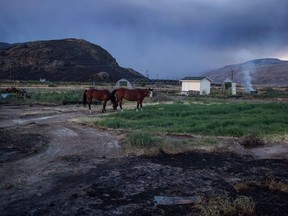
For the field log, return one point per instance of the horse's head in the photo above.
(150, 92)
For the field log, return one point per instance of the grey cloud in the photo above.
(163, 36)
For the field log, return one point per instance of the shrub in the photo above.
(142, 139)
(251, 141)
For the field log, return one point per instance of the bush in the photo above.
(251, 141)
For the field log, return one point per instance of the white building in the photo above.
(199, 85)
(123, 83)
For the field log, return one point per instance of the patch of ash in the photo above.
(16, 144)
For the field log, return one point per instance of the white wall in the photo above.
(189, 85)
(205, 87)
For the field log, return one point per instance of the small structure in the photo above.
(234, 87)
(132, 82)
(229, 84)
(123, 83)
(196, 85)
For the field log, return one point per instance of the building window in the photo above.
(123, 83)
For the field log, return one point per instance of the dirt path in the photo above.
(51, 166)
(44, 141)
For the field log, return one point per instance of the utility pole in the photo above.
(147, 73)
(10, 71)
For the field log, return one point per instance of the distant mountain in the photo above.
(4, 45)
(266, 71)
(60, 60)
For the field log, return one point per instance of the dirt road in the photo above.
(49, 165)
(38, 143)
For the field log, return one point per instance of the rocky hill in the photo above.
(60, 60)
(4, 45)
(267, 72)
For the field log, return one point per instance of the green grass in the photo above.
(239, 119)
(46, 96)
(142, 139)
(56, 97)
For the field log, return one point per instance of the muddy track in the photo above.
(50, 165)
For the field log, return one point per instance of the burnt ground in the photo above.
(49, 165)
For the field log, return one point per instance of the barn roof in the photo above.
(195, 78)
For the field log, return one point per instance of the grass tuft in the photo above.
(269, 183)
(140, 139)
(219, 206)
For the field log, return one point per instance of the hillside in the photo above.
(267, 72)
(60, 60)
(4, 45)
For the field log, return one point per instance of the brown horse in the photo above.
(131, 95)
(18, 92)
(102, 95)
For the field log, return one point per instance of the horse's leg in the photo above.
(104, 106)
(89, 105)
(141, 104)
(137, 107)
(89, 101)
(120, 104)
(115, 106)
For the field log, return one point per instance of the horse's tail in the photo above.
(84, 98)
(113, 99)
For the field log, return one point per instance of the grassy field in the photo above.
(222, 119)
(200, 125)
(206, 116)
(47, 93)
(57, 97)
(45, 97)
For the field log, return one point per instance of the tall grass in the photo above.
(56, 97)
(139, 139)
(214, 119)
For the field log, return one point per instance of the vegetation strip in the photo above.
(235, 119)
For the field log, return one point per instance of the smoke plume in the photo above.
(247, 71)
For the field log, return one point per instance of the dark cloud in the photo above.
(168, 38)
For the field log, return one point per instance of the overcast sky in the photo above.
(166, 39)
